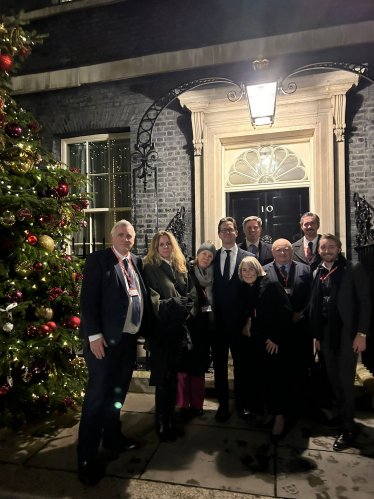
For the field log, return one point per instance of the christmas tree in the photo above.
(41, 205)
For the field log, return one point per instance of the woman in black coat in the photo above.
(267, 315)
(194, 362)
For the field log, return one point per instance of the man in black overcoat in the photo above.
(252, 227)
(113, 308)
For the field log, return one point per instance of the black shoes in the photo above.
(190, 413)
(343, 441)
(91, 472)
(119, 443)
(246, 414)
(223, 413)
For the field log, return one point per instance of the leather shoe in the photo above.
(246, 414)
(119, 443)
(90, 472)
(343, 441)
(222, 414)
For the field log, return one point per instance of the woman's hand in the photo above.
(271, 347)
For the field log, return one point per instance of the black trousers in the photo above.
(108, 383)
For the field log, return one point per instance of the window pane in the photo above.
(120, 155)
(76, 157)
(99, 185)
(121, 188)
(98, 154)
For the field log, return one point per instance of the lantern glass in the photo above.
(261, 101)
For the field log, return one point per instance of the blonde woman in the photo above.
(173, 302)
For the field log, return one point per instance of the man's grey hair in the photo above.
(309, 214)
(252, 219)
(123, 223)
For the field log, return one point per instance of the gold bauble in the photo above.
(22, 167)
(46, 243)
(23, 268)
(7, 219)
(43, 313)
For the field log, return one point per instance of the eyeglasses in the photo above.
(227, 231)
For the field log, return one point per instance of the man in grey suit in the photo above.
(252, 227)
(305, 250)
(340, 318)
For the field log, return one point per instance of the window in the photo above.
(105, 159)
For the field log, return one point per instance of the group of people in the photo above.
(263, 303)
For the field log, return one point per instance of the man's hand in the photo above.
(97, 347)
(296, 317)
(317, 345)
(271, 347)
(359, 344)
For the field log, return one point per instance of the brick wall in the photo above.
(121, 105)
(360, 150)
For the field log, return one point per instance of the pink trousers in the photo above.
(191, 391)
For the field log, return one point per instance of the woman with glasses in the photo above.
(267, 318)
(173, 304)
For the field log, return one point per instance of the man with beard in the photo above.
(305, 250)
(339, 318)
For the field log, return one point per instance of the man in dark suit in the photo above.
(113, 302)
(226, 287)
(252, 227)
(296, 279)
(340, 318)
(305, 250)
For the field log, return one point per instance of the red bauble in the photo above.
(62, 190)
(43, 330)
(52, 326)
(69, 402)
(44, 398)
(73, 322)
(74, 170)
(31, 331)
(32, 240)
(66, 257)
(6, 62)
(4, 390)
(15, 297)
(33, 126)
(63, 223)
(44, 219)
(38, 266)
(13, 130)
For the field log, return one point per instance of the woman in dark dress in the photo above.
(268, 318)
(194, 362)
(173, 304)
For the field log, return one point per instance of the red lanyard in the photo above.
(323, 279)
(288, 275)
(124, 269)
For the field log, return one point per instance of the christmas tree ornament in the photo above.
(33, 126)
(62, 190)
(23, 269)
(7, 219)
(22, 167)
(46, 243)
(55, 293)
(8, 327)
(67, 257)
(13, 130)
(44, 398)
(4, 390)
(24, 51)
(73, 322)
(84, 203)
(38, 365)
(24, 213)
(3, 118)
(15, 297)
(38, 266)
(43, 330)
(32, 240)
(6, 62)
(74, 170)
(69, 402)
(76, 207)
(44, 219)
(52, 326)
(44, 313)
(31, 331)
(83, 223)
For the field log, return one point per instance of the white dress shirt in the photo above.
(306, 242)
(233, 256)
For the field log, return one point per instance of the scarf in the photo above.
(316, 305)
(205, 278)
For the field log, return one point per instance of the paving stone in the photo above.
(314, 474)
(134, 403)
(235, 459)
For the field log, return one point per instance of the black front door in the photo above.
(280, 211)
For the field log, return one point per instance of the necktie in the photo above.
(135, 299)
(309, 252)
(284, 272)
(226, 268)
(252, 248)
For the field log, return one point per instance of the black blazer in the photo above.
(299, 253)
(264, 255)
(104, 300)
(300, 281)
(227, 302)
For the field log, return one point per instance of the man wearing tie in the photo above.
(296, 278)
(252, 227)
(226, 285)
(113, 302)
(305, 250)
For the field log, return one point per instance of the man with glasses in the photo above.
(228, 335)
(295, 277)
(252, 227)
(306, 248)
